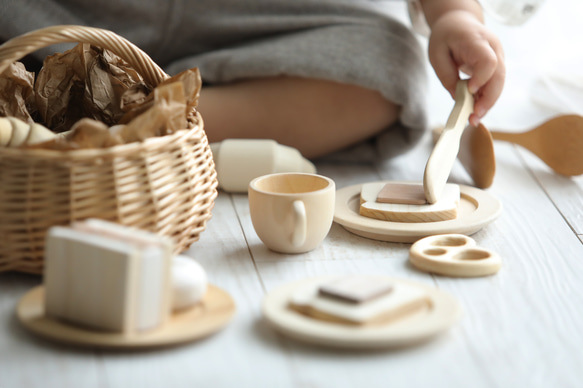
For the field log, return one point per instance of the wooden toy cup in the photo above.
(292, 212)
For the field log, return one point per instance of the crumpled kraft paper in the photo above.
(83, 92)
(17, 93)
(84, 82)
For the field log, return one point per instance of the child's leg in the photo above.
(315, 116)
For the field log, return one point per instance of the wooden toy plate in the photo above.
(443, 312)
(477, 209)
(200, 321)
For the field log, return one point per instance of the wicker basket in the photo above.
(163, 184)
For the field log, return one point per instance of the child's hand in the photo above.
(459, 41)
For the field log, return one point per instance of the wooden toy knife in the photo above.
(445, 151)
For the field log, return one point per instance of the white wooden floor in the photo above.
(521, 327)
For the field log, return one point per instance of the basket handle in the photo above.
(20, 46)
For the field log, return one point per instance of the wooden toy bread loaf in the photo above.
(15, 132)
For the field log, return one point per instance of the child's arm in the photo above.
(460, 41)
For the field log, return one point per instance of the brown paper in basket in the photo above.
(136, 101)
(164, 111)
(92, 88)
(16, 93)
(84, 82)
(166, 114)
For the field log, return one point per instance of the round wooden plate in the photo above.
(477, 209)
(200, 321)
(443, 312)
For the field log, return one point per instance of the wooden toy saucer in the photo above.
(443, 312)
(477, 209)
(200, 321)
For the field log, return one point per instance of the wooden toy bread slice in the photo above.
(356, 288)
(404, 193)
(15, 132)
(444, 209)
(39, 133)
(402, 300)
(5, 131)
(20, 131)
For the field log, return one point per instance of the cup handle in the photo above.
(300, 224)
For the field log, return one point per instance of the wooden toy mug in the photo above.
(292, 212)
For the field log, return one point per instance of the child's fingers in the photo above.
(490, 92)
(445, 67)
(484, 62)
(474, 120)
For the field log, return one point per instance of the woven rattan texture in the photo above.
(164, 184)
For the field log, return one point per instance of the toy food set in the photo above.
(123, 141)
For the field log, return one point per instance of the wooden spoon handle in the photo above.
(557, 142)
(517, 138)
(524, 139)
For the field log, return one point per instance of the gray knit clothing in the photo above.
(350, 41)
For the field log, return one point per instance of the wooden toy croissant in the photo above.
(15, 132)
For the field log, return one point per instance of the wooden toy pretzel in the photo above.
(453, 255)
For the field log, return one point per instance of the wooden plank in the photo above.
(28, 361)
(244, 345)
(531, 308)
(511, 313)
(344, 253)
(565, 192)
(327, 367)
